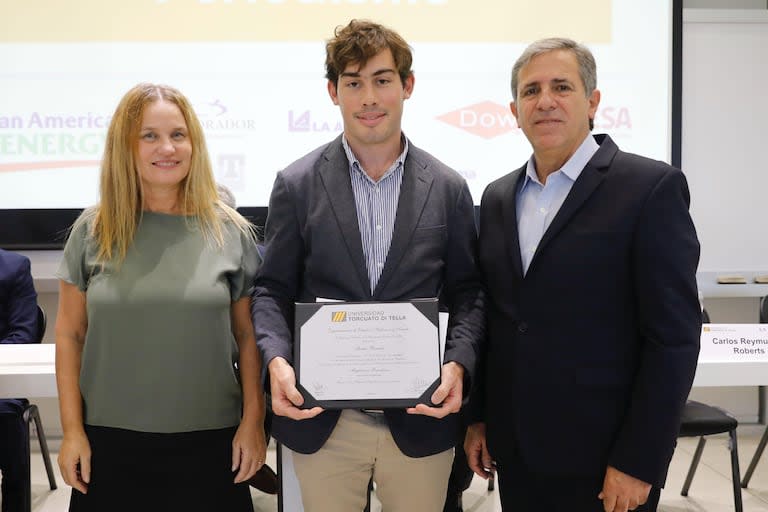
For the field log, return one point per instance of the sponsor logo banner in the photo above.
(485, 119)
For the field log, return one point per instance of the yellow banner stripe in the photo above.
(508, 21)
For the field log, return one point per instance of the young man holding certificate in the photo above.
(369, 218)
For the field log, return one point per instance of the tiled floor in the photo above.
(710, 491)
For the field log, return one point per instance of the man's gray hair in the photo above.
(584, 57)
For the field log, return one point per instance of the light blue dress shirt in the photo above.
(376, 204)
(538, 204)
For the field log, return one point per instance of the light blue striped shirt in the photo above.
(538, 204)
(376, 203)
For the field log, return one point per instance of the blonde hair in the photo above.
(116, 217)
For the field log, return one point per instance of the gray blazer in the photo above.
(314, 249)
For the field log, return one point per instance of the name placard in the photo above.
(734, 342)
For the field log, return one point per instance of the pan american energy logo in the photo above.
(44, 140)
(39, 140)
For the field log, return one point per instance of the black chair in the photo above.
(700, 420)
(764, 439)
(31, 414)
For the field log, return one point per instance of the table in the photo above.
(28, 370)
(710, 288)
(710, 374)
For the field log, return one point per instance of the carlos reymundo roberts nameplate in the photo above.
(367, 354)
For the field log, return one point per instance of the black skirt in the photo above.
(141, 471)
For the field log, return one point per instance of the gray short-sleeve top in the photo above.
(159, 353)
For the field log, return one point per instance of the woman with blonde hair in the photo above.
(156, 362)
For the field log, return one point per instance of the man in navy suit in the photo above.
(18, 324)
(590, 256)
(369, 217)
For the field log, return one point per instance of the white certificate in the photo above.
(367, 355)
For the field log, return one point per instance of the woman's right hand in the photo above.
(75, 461)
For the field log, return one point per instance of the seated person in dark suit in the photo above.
(18, 324)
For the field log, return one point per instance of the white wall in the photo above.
(722, 156)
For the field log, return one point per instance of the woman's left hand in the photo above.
(249, 450)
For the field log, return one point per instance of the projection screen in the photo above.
(254, 71)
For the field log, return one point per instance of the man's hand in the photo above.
(478, 458)
(448, 394)
(622, 492)
(286, 399)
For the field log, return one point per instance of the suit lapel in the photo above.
(334, 173)
(414, 190)
(587, 182)
(509, 213)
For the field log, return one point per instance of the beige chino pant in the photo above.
(335, 478)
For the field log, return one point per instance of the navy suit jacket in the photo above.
(314, 249)
(18, 308)
(18, 300)
(592, 353)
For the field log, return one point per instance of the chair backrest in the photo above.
(41, 324)
(704, 316)
(764, 310)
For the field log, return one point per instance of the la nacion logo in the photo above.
(485, 119)
(305, 122)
